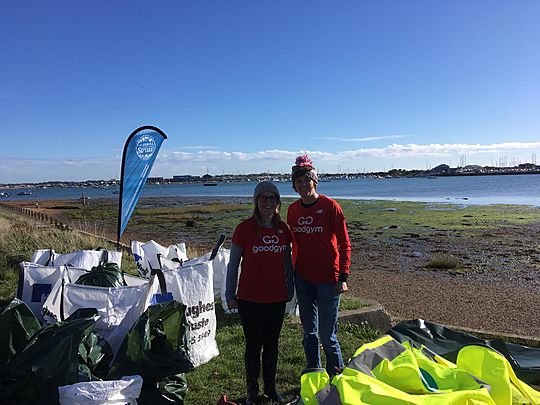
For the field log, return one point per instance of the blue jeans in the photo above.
(319, 305)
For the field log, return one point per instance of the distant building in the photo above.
(183, 177)
(154, 180)
(441, 169)
(528, 166)
(472, 169)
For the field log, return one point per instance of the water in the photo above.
(475, 190)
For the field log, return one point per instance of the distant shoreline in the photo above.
(267, 176)
(461, 190)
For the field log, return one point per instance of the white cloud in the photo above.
(174, 162)
(365, 139)
(195, 147)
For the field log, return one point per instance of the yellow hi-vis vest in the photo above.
(385, 372)
(388, 373)
(493, 368)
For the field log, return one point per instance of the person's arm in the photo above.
(344, 249)
(232, 275)
(289, 281)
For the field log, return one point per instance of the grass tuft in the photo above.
(446, 262)
(348, 302)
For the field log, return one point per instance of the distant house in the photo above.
(154, 180)
(472, 169)
(528, 166)
(183, 177)
(441, 169)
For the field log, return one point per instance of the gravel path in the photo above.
(449, 300)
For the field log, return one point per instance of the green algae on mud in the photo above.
(201, 220)
(401, 217)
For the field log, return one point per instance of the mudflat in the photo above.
(473, 267)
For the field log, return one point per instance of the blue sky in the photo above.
(245, 86)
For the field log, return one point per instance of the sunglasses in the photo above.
(273, 199)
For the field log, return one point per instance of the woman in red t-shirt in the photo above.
(322, 257)
(262, 243)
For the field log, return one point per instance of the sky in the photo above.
(243, 86)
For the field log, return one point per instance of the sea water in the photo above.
(470, 190)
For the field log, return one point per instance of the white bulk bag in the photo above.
(36, 282)
(146, 255)
(134, 280)
(116, 392)
(219, 266)
(83, 259)
(192, 286)
(118, 307)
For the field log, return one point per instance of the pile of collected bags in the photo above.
(418, 362)
(81, 331)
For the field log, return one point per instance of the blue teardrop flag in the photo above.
(140, 152)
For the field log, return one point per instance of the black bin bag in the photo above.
(17, 325)
(447, 342)
(55, 355)
(156, 349)
(104, 275)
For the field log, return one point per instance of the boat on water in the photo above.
(24, 193)
(2, 194)
(209, 183)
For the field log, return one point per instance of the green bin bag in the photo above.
(104, 275)
(156, 349)
(17, 325)
(55, 355)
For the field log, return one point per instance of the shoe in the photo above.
(252, 394)
(251, 400)
(275, 397)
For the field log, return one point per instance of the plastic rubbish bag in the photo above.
(103, 275)
(156, 348)
(17, 325)
(55, 355)
(116, 392)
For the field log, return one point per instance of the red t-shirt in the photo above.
(262, 278)
(321, 246)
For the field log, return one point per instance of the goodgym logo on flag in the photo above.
(146, 147)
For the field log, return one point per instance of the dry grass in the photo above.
(20, 237)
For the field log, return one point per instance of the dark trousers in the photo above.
(262, 325)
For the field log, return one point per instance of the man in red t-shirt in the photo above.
(321, 256)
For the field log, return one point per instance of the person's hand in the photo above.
(232, 304)
(341, 287)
